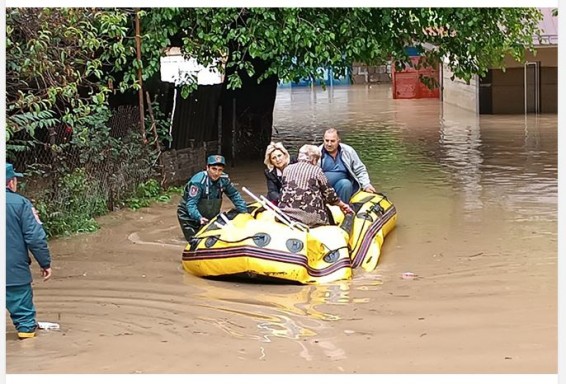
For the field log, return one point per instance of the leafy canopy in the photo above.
(61, 63)
(299, 42)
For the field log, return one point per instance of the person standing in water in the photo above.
(24, 235)
(202, 197)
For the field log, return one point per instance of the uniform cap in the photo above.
(11, 173)
(216, 159)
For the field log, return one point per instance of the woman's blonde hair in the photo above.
(270, 149)
(310, 153)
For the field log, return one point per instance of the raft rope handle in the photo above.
(337, 249)
(228, 241)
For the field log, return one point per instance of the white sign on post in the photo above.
(178, 70)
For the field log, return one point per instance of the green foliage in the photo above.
(64, 60)
(174, 190)
(75, 207)
(30, 122)
(58, 63)
(147, 193)
(93, 171)
(162, 124)
(298, 42)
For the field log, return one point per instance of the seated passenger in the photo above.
(276, 159)
(306, 190)
(342, 166)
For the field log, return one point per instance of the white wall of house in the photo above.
(458, 93)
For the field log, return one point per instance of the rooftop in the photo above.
(549, 28)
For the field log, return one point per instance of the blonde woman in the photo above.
(276, 159)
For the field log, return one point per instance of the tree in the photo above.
(58, 65)
(61, 62)
(289, 44)
(300, 42)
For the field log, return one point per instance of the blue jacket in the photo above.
(24, 233)
(199, 187)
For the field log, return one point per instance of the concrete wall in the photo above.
(367, 74)
(507, 92)
(549, 90)
(178, 166)
(458, 93)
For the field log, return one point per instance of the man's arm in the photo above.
(35, 237)
(235, 196)
(194, 193)
(361, 172)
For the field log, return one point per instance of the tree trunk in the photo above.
(254, 103)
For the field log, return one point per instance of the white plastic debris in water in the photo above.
(47, 325)
(408, 276)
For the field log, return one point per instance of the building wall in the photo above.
(458, 93)
(549, 90)
(508, 93)
(367, 74)
(548, 57)
(507, 89)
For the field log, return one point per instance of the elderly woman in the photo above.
(276, 159)
(306, 190)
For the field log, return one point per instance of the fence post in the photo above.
(233, 130)
(140, 92)
(219, 129)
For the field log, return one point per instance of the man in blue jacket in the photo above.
(342, 166)
(24, 234)
(202, 197)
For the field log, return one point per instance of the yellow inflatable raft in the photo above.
(265, 244)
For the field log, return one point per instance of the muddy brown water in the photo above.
(477, 225)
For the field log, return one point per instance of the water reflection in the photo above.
(302, 314)
(460, 139)
(480, 164)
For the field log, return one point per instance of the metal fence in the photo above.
(111, 169)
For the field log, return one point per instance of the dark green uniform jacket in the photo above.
(202, 197)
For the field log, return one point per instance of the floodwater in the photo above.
(477, 226)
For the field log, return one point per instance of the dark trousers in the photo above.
(189, 228)
(19, 302)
